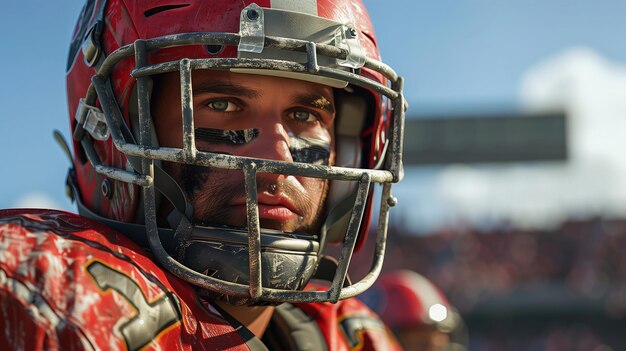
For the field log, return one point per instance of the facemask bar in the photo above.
(250, 167)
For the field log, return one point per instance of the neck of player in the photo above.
(255, 318)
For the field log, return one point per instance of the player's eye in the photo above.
(303, 116)
(223, 105)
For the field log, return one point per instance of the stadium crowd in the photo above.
(556, 290)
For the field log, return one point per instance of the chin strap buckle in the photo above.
(91, 119)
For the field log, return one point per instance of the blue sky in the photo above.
(463, 54)
(455, 55)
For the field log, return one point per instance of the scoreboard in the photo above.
(485, 139)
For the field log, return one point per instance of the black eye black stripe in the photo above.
(303, 149)
(308, 150)
(225, 136)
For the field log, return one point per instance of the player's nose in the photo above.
(272, 143)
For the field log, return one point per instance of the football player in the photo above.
(417, 311)
(218, 148)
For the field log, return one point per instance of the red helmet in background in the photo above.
(119, 45)
(417, 311)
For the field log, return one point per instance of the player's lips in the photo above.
(275, 207)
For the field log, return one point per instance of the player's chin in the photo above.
(282, 226)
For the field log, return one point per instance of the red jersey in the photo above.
(70, 283)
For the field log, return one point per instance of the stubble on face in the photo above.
(211, 192)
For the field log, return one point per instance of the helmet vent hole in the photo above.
(154, 11)
(106, 188)
(214, 49)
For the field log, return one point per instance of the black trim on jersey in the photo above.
(253, 343)
(292, 329)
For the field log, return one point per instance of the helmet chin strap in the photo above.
(136, 232)
(179, 217)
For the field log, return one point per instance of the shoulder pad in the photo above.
(67, 280)
(350, 324)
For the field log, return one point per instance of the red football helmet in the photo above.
(416, 310)
(117, 48)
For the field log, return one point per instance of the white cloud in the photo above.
(36, 200)
(592, 92)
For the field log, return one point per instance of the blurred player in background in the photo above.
(417, 312)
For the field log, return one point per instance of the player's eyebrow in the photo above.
(315, 100)
(225, 87)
